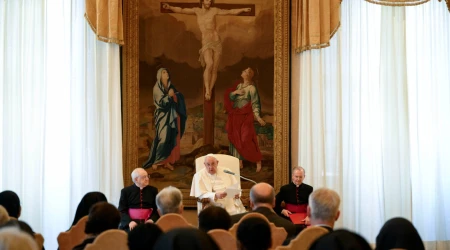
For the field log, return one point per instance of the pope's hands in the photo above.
(220, 195)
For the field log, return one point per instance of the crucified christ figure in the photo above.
(211, 45)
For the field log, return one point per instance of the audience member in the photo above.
(254, 234)
(102, 216)
(169, 200)
(144, 236)
(185, 239)
(323, 209)
(21, 225)
(262, 200)
(137, 202)
(4, 216)
(341, 240)
(11, 202)
(86, 203)
(399, 233)
(294, 195)
(214, 217)
(14, 239)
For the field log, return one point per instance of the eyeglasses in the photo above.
(145, 176)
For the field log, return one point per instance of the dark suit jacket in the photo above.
(330, 229)
(272, 217)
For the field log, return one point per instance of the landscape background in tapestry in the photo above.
(173, 41)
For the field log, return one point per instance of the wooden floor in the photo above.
(190, 214)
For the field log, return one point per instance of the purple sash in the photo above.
(140, 213)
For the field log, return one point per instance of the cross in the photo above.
(225, 6)
(209, 80)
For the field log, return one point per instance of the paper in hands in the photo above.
(233, 190)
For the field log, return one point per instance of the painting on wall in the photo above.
(206, 85)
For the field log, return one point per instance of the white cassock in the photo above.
(205, 185)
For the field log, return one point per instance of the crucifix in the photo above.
(211, 50)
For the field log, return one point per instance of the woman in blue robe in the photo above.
(170, 121)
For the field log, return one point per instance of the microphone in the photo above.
(228, 172)
(232, 173)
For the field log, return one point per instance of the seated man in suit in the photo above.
(323, 209)
(137, 202)
(211, 183)
(262, 200)
(295, 195)
(169, 200)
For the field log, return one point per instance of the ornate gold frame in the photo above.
(130, 92)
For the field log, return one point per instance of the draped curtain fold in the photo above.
(60, 112)
(105, 19)
(316, 21)
(374, 117)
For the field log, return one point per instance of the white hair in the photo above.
(211, 155)
(324, 204)
(169, 200)
(13, 239)
(135, 173)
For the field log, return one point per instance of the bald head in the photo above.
(262, 194)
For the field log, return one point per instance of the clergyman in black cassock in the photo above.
(294, 193)
(140, 195)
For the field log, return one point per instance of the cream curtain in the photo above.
(315, 22)
(60, 112)
(374, 117)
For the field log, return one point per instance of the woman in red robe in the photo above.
(243, 107)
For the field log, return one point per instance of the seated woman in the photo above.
(102, 216)
(185, 239)
(399, 233)
(86, 203)
(214, 217)
(341, 240)
(254, 234)
(144, 236)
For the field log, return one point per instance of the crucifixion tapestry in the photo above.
(206, 82)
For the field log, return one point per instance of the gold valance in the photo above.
(448, 4)
(105, 19)
(404, 2)
(316, 21)
(398, 2)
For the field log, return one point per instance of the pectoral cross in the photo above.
(211, 58)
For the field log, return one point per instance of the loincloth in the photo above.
(215, 46)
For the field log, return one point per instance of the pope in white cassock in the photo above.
(211, 183)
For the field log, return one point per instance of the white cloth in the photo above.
(205, 185)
